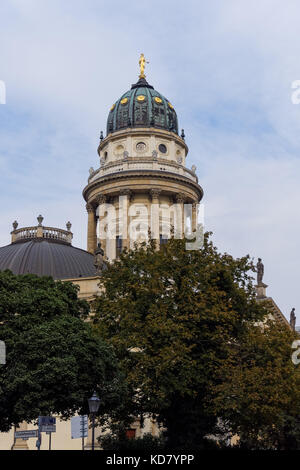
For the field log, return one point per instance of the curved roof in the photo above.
(142, 106)
(46, 257)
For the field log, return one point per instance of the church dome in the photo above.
(142, 106)
(46, 251)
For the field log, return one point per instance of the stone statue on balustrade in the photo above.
(99, 262)
(260, 272)
(293, 319)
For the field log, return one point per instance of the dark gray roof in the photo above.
(46, 257)
(142, 106)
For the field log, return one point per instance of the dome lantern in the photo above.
(142, 106)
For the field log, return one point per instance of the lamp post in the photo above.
(94, 403)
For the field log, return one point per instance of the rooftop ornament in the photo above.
(142, 64)
(99, 262)
(293, 319)
(261, 286)
(40, 219)
(260, 272)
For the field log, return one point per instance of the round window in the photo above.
(141, 147)
(162, 148)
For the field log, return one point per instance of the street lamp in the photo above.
(94, 403)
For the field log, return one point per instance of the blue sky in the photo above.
(227, 67)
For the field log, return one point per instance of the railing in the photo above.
(42, 232)
(57, 234)
(27, 232)
(157, 165)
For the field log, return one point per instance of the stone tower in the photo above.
(142, 185)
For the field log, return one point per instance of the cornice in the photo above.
(130, 174)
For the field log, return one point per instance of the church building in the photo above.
(142, 186)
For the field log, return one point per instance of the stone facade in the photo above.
(140, 170)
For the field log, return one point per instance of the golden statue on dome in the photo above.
(142, 64)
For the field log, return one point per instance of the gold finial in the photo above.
(142, 63)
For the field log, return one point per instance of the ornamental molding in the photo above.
(101, 199)
(126, 192)
(90, 208)
(142, 132)
(154, 193)
(180, 198)
(164, 176)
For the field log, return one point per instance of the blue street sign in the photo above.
(47, 421)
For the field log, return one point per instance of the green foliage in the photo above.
(54, 359)
(259, 394)
(40, 297)
(178, 321)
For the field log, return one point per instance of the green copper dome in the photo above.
(142, 106)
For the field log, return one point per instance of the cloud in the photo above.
(226, 66)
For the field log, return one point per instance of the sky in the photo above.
(226, 66)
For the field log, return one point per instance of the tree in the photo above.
(177, 320)
(259, 394)
(54, 359)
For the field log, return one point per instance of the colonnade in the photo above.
(124, 213)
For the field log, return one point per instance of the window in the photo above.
(130, 433)
(118, 246)
(162, 148)
(162, 239)
(141, 147)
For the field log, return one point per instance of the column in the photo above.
(125, 197)
(101, 202)
(194, 216)
(179, 228)
(154, 215)
(92, 227)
